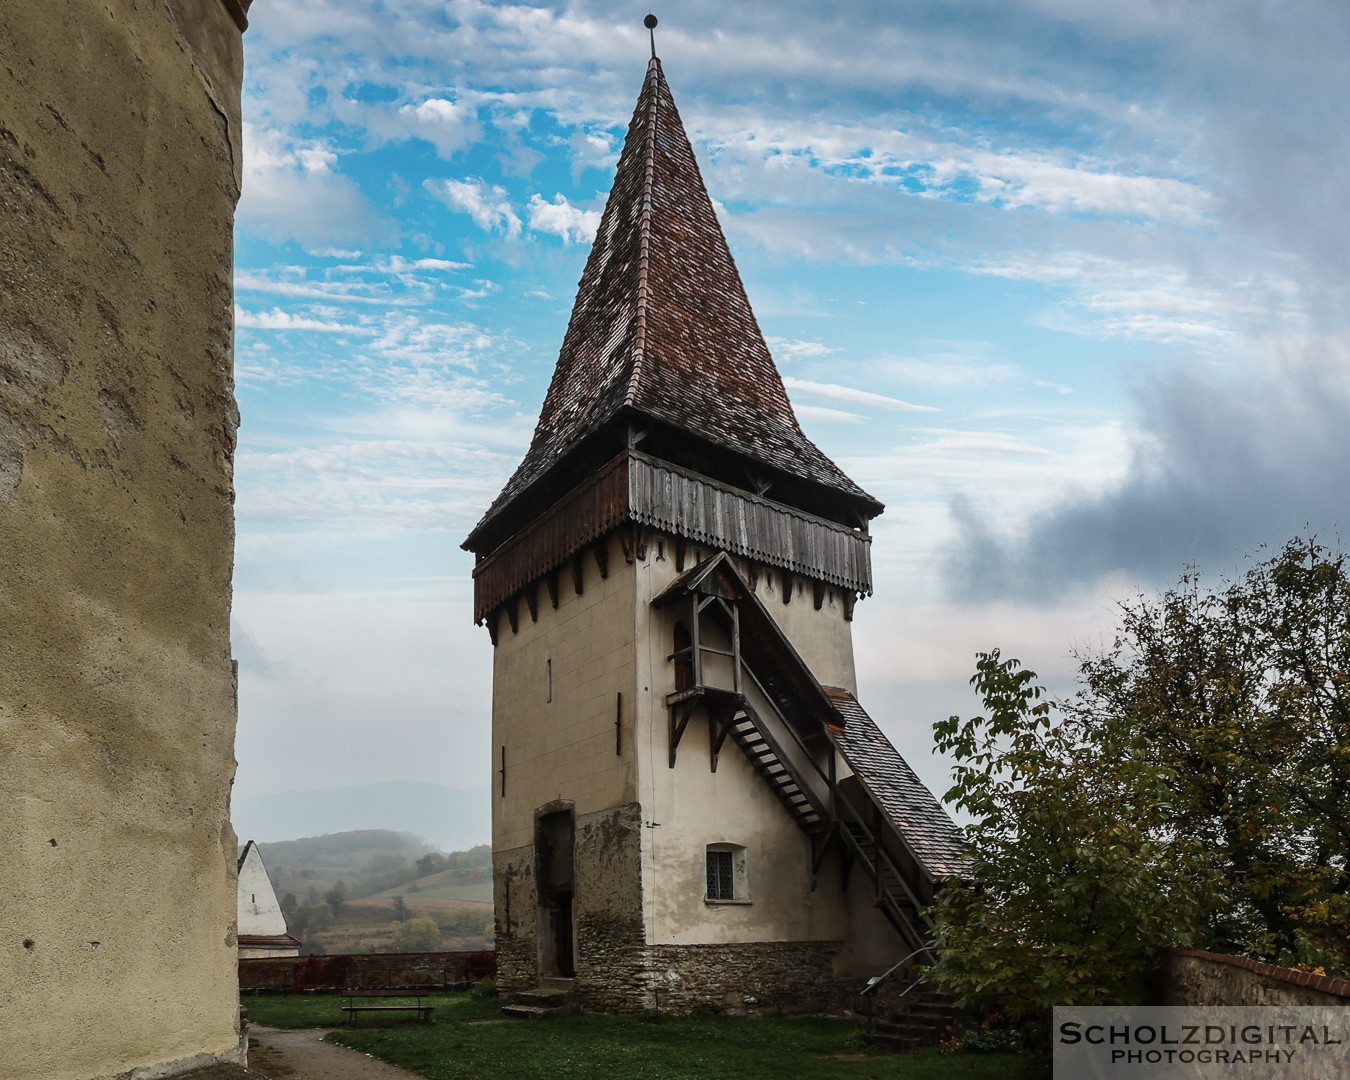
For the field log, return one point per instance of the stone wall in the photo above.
(119, 173)
(372, 971)
(1191, 977)
(761, 977)
(610, 935)
(515, 918)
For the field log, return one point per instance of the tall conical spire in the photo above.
(662, 330)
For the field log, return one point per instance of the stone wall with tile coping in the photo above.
(1194, 977)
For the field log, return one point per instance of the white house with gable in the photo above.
(262, 926)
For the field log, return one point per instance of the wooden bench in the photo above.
(414, 1001)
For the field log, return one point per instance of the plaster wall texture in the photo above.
(640, 884)
(582, 656)
(259, 910)
(119, 173)
(696, 807)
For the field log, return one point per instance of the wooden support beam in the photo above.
(602, 558)
(735, 647)
(820, 847)
(532, 600)
(719, 727)
(491, 621)
(850, 598)
(818, 593)
(697, 653)
(578, 574)
(787, 587)
(679, 554)
(633, 541)
(551, 581)
(685, 709)
(513, 614)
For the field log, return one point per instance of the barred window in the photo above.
(721, 886)
(726, 876)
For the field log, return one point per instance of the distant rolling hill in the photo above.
(448, 818)
(444, 885)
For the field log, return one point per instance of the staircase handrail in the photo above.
(875, 982)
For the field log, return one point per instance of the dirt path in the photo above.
(303, 1055)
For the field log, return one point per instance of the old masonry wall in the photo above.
(119, 173)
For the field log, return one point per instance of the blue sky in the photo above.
(1063, 283)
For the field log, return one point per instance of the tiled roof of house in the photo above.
(897, 788)
(662, 326)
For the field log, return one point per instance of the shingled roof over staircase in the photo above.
(896, 788)
(662, 330)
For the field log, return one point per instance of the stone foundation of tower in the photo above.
(606, 909)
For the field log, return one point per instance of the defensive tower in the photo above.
(690, 808)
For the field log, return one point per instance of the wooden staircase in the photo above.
(752, 735)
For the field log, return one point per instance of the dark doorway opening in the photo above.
(554, 842)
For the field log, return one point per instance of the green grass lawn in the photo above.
(468, 1040)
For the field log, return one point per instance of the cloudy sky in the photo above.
(1062, 282)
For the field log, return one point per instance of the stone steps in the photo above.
(553, 999)
(930, 1015)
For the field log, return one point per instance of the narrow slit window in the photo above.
(548, 679)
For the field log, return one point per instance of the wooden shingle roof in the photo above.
(896, 788)
(662, 330)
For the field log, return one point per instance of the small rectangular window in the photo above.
(721, 883)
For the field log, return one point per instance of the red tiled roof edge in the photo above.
(1327, 984)
(644, 237)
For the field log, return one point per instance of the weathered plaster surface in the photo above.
(695, 806)
(119, 172)
(555, 698)
(644, 933)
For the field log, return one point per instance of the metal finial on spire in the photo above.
(650, 23)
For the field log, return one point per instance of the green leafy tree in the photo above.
(421, 933)
(336, 897)
(400, 910)
(1193, 791)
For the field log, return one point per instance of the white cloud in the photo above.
(835, 392)
(449, 126)
(487, 204)
(292, 191)
(819, 414)
(797, 350)
(561, 218)
(277, 319)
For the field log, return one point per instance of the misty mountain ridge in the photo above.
(448, 819)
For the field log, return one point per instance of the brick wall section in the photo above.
(1192, 977)
(370, 970)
